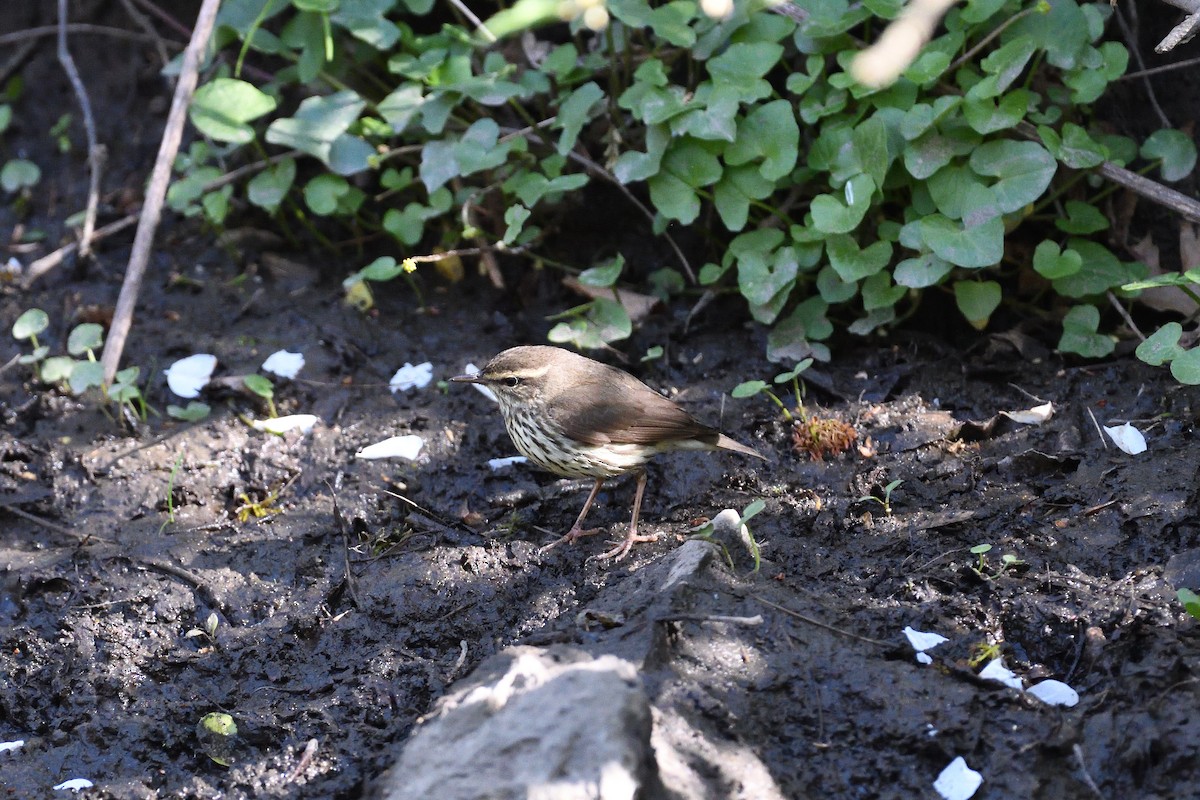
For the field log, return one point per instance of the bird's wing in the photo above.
(624, 412)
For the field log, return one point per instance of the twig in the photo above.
(95, 154)
(51, 260)
(1087, 776)
(50, 526)
(751, 621)
(16, 59)
(1112, 298)
(142, 22)
(985, 41)
(310, 750)
(160, 177)
(1131, 37)
(819, 624)
(1099, 430)
(73, 28)
(476, 21)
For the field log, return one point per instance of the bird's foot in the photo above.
(622, 549)
(570, 536)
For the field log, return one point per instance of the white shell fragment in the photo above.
(75, 784)
(1127, 438)
(471, 369)
(396, 447)
(284, 364)
(411, 377)
(957, 781)
(495, 464)
(292, 422)
(1055, 693)
(187, 376)
(13, 745)
(996, 671)
(1031, 416)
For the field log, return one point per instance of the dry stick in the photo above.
(142, 22)
(156, 192)
(17, 59)
(95, 155)
(51, 260)
(74, 27)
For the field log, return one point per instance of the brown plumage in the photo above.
(579, 418)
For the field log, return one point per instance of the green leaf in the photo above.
(603, 275)
(1052, 263)
(324, 193)
(606, 321)
(318, 123)
(748, 389)
(1003, 66)
(769, 132)
(1174, 149)
(86, 375)
(85, 337)
(852, 263)
(515, 217)
(1190, 601)
(762, 276)
(831, 215)
(921, 272)
(879, 292)
(1161, 346)
(832, 288)
(1185, 368)
(260, 386)
(401, 106)
(987, 116)
(1024, 169)
(57, 368)
(977, 300)
(268, 188)
(693, 162)
(573, 114)
(194, 412)
(1079, 333)
(1082, 218)
(1075, 148)
(673, 198)
(221, 108)
(1101, 271)
(19, 174)
(973, 246)
(31, 322)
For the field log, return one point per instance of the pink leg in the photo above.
(577, 531)
(632, 537)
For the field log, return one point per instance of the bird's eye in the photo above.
(512, 381)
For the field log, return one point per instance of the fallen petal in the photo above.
(922, 641)
(1031, 416)
(1127, 438)
(292, 422)
(957, 781)
(1055, 693)
(187, 376)
(13, 745)
(284, 364)
(495, 464)
(411, 377)
(75, 784)
(471, 369)
(396, 447)
(996, 671)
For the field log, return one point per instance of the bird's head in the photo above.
(520, 374)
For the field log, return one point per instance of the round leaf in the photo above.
(30, 324)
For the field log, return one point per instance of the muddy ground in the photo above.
(370, 587)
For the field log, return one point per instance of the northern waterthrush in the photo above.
(579, 418)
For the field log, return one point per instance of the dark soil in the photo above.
(370, 587)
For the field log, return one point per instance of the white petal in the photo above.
(410, 377)
(187, 376)
(395, 447)
(292, 422)
(924, 658)
(75, 784)
(1031, 416)
(1056, 693)
(284, 364)
(996, 671)
(957, 781)
(483, 390)
(501, 463)
(1127, 438)
(922, 641)
(13, 745)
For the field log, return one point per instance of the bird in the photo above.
(580, 418)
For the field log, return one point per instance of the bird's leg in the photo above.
(632, 537)
(577, 531)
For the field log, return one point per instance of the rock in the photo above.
(530, 724)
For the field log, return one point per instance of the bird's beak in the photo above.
(476, 378)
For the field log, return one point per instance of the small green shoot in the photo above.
(983, 653)
(653, 353)
(217, 732)
(170, 520)
(1007, 561)
(209, 631)
(263, 388)
(28, 326)
(707, 530)
(981, 550)
(886, 500)
(1190, 600)
(751, 388)
(194, 412)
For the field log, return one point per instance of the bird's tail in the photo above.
(725, 443)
